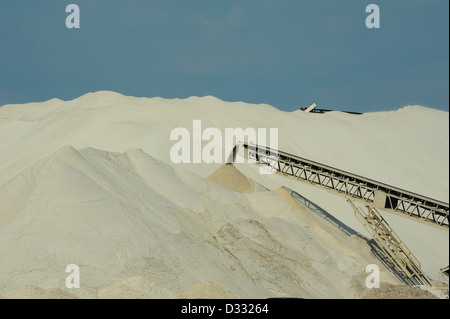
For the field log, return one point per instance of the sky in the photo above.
(286, 53)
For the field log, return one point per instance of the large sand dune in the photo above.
(90, 182)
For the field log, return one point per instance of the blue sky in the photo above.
(285, 53)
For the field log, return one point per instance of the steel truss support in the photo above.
(376, 194)
(386, 238)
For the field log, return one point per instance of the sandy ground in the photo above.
(89, 182)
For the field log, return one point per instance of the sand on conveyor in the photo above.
(231, 178)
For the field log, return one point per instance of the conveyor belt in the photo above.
(379, 195)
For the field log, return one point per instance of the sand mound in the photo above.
(207, 290)
(129, 288)
(231, 178)
(389, 291)
(141, 226)
(33, 292)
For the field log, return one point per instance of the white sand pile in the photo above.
(111, 214)
(388, 291)
(229, 177)
(90, 182)
(129, 288)
(207, 290)
(33, 292)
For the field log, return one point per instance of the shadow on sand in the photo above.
(375, 248)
